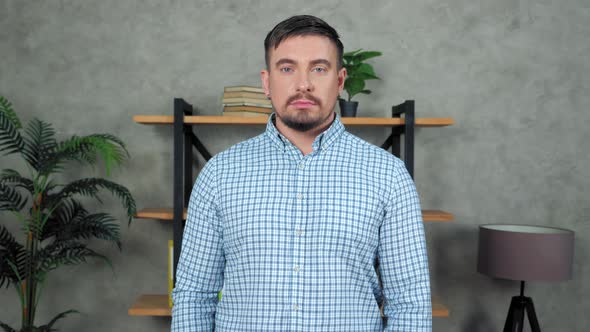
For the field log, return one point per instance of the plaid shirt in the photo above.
(293, 240)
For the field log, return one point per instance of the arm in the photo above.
(199, 275)
(403, 261)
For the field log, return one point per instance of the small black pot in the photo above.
(348, 108)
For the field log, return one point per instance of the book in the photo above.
(248, 104)
(243, 88)
(246, 114)
(170, 271)
(242, 94)
(245, 100)
(247, 109)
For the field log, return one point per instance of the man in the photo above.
(292, 222)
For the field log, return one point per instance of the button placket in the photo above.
(300, 215)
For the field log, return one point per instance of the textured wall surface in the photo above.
(514, 74)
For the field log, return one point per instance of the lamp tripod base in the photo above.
(515, 319)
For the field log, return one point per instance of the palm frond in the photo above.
(10, 198)
(13, 177)
(97, 225)
(11, 140)
(71, 221)
(40, 143)
(6, 108)
(85, 149)
(65, 253)
(67, 212)
(11, 252)
(6, 328)
(49, 326)
(91, 186)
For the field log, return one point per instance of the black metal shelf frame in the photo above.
(185, 139)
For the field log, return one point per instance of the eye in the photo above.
(285, 69)
(319, 69)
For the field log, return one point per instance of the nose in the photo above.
(304, 84)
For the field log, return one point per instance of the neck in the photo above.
(303, 140)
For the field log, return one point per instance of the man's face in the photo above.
(303, 81)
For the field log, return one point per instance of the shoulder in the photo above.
(372, 155)
(250, 148)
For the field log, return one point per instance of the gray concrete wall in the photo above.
(514, 74)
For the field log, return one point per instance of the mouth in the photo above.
(302, 103)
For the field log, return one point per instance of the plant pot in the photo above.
(348, 108)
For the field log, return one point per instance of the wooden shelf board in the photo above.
(157, 213)
(157, 305)
(239, 120)
(151, 305)
(437, 215)
(166, 214)
(439, 309)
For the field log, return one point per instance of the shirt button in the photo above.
(296, 268)
(301, 166)
(299, 196)
(299, 232)
(295, 307)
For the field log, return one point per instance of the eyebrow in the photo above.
(313, 62)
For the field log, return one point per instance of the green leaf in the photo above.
(86, 149)
(6, 109)
(367, 55)
(11, 140)
(49, 326)
(6, 328)
(350, 58)
(358, 71)
(65, 253)
(40, 143)
(12, 177)
(367, 69)
(91, 186)
(366, 92)
(10, 198)
(353, 87)
(12, 258)
(351, 53)
(364, 76)
(72, 222)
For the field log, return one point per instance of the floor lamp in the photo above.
(525, 253)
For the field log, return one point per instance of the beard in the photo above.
(302, 120)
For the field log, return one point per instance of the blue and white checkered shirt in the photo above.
(293, 240)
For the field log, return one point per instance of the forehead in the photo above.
(304, 48)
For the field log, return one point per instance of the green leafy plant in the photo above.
(55, 223)
(358, 71)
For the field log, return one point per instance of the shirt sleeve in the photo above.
(199, 274)
(403, 261)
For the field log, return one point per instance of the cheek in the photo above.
(280, 90)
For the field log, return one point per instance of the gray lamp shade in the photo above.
(523, 252)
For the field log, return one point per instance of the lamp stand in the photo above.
(515, 318)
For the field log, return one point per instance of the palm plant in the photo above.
(55, 223)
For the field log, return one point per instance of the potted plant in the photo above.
(56, 225)
(358, 72)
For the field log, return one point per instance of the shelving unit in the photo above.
(185, 139)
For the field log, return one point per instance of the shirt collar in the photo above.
(322, 141)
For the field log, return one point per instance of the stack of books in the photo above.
(245, 100)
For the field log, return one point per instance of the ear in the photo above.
(341, 78)
(265, 84)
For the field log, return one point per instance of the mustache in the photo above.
(303, 96)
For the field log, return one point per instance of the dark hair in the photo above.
(301, 25)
